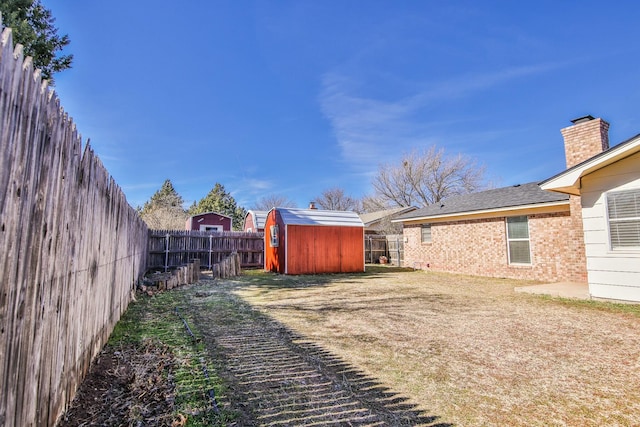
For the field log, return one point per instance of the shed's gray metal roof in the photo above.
(499, 198)
(319, 217)
(259, 217)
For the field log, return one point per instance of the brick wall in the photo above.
(479, 247)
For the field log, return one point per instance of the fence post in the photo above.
(166, 253)
(368, 240)
(210, 249)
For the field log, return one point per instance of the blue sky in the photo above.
(295, 97)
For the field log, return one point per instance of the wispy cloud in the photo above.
(367, 129)
(468, 84)
(257, 185)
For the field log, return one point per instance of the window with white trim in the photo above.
(623, 209)
(426, 233)
(273, 236)
(518, 240)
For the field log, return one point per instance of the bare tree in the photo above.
(273, 201)
(426, 177)
(374, 204)
(336, 199)
(164, 210)
(165, 219)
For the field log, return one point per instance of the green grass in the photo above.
(600, 305)
(154, 318)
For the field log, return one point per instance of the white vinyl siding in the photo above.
(613, 272)
(518, 240)
(623, 210)
(426, 233)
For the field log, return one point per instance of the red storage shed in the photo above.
(209, 221)
(254, 221)
(313, 241)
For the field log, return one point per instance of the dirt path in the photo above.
(277, 378)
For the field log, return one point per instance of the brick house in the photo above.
(521, 232)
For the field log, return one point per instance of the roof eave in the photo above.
(485, 211)
(569, 181)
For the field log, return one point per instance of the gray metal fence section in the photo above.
(390, 246)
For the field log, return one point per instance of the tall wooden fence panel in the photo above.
(71, 249)
(172, 248)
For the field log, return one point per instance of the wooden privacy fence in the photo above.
(391, 246)
(71, 249)
(172, 248)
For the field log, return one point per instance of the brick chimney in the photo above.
(312, 205)
(586, 138)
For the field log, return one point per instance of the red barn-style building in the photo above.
(254, 221)
(209, 221)
(313, 241)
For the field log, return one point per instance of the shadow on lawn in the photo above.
(282, 281)
(276, 377)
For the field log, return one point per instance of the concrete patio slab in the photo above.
(561, 289)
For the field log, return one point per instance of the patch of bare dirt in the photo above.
(126, 386)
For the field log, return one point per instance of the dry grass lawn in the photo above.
(468, 349)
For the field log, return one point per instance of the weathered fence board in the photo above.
(179, 276)
(228, 267)
(172, 248)
(71, 249)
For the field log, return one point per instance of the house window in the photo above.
(518, 240)
(623, 208)
(426, 233)
(273, 236)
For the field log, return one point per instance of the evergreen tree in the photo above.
(164, 210)
(33, 27)
(218, 200)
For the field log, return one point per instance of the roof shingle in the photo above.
(505, 197)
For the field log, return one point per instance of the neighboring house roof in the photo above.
(319, 217)
(371, 218)
(569, 180)
(259, 218)
(210, 213)
(517, 196)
